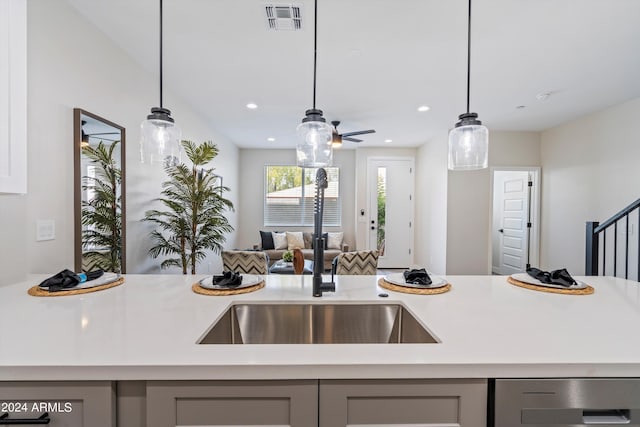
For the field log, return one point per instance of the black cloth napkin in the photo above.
(67, 279)
(557, 277)
(417, 277)
(93, 275)
(229, 279)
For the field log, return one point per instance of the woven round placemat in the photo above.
(417, 291)
(224, 292)
(586, 291)
(37, 291)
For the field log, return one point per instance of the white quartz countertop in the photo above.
(147, 329)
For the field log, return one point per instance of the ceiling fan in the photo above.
(339, 137)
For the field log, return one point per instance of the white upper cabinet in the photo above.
(13, 96)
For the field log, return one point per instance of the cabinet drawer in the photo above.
(450, 403)
(274, 403)
(68, 404)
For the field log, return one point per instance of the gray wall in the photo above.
(71, 64)
(591, 170)
(431, 205)
(469, 201)
(251, 192)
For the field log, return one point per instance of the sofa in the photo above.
(334, 245)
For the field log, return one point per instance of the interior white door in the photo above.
(391, 186)
(513, 200)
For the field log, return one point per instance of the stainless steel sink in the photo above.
(317, 324)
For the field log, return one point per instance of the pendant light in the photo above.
(160, 137)
(469, 139)
(314, 133)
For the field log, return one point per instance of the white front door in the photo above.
(511, 191)
(391, 211)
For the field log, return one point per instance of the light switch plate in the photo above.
(45, 230)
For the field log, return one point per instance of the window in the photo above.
(289, 195)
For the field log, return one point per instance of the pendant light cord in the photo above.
(468, 55)
(160, 53)
(315, 49)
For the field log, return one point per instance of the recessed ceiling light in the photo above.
(252, 106)
(423, 108)
(271, 139)
(543, 96)
(388, 140)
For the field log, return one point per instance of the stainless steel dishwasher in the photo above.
(564, 402)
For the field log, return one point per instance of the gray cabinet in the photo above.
(211, 403)
(68, 403)
(312, 403)
(433, 403)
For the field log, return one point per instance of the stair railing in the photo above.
(595, 230)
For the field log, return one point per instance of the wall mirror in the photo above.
(99, 195)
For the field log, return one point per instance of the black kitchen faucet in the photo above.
(318, 241)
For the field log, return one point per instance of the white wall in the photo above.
(361, 156)
(431, 205)
(13, 244)
(71, 64)
(591, 171)
(469, 201)
(250, 208)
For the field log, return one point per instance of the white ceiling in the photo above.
(379, 60)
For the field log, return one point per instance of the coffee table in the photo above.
(281, 267)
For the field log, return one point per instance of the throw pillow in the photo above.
(308, 240)
(335, 240)
(279, 240)
(266, 240)
(295, 240)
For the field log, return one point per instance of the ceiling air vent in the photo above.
(283, 17)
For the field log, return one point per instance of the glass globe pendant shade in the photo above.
(468, 144)
(160, 139)
(314, 141)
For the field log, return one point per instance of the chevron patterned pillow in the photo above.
(248, 262)
(357, 263)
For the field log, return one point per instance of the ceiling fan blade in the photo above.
(359, 132)
(346, 138)
(104, 133)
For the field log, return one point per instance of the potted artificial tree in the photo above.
(101, 215)
(193, 220)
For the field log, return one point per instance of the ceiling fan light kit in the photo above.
(337, 138)
(469, 139)
(159, 135)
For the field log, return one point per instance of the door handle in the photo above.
(42, 419)
(501, 230)
(606, 416)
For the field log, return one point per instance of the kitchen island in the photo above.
(148, 329)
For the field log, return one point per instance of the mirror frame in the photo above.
(77, 196)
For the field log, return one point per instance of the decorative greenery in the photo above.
(382, 215)
(287, 256)
(102, 214)
(194, 220)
